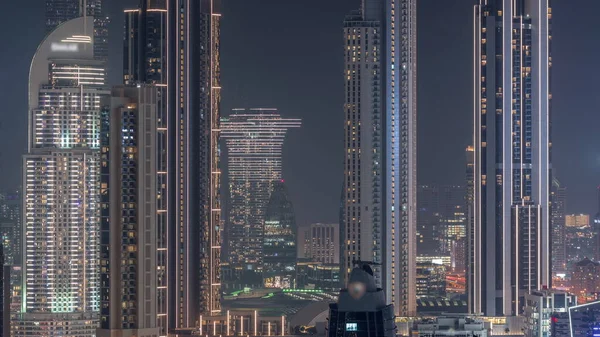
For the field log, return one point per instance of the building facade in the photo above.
(585, 279)
(540, 308)
(451, 326)
(279, 240)
(559, 247)
(577, 220)
(175, 46)
(254, 139)
(145, 62)
(511, 229)
(128, 213)
(60, 11)
(320, 242)
(11, 227)
(61, 186)
(380, 107)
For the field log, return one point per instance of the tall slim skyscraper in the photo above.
(128, 213)
(193, 172)
(60, 11)
(174, 45)
(380, 172)
(254, 139)
(61, 186)
(512, 144)
(559, 244)
(145, 62)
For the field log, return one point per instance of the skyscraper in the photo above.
(194, 226)
(60, 11)
(128, 213)
(61, 186)
(254, 139)
(174, 45)
(279, 240)
(380, 146)
(145, 62)
(559, 245)
(512, 154)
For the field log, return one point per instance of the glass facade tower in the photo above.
(380, 74)
(254, 139)
(511, 231)
(61, 186)
(279, 240)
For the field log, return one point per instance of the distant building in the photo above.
(254, 139)
(559, 248)
(320, 242)
(459, 325)
(431, 280)
(361, 309)
(128, 232)
(541, 306)
(279, 240)
(317, 275)
(585, 279)
(11, 226)
(577, 220)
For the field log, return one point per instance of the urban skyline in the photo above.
(125, 215)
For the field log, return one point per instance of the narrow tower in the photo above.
(380, 74)
(512, 144)
(128, 213)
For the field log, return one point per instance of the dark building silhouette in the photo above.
(361, 310)
(279, 240)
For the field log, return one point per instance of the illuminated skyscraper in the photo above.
(512, 154)
(194, 227)
(254, 139)
(380, 172)
(279, 239)
(59, 11)
(174, 45)
(145, 61)
(61, 186)
(128, 213)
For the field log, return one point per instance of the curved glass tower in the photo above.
(254, 139)
(279, 240)
(61, 186)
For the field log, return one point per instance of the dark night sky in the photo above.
(288, 54)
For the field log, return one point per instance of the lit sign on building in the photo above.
(68, 47)
(351, 326)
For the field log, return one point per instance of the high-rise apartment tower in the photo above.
(61, 186)
(128, 213)
(380, 172)
(511, 230)
(174, 45)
